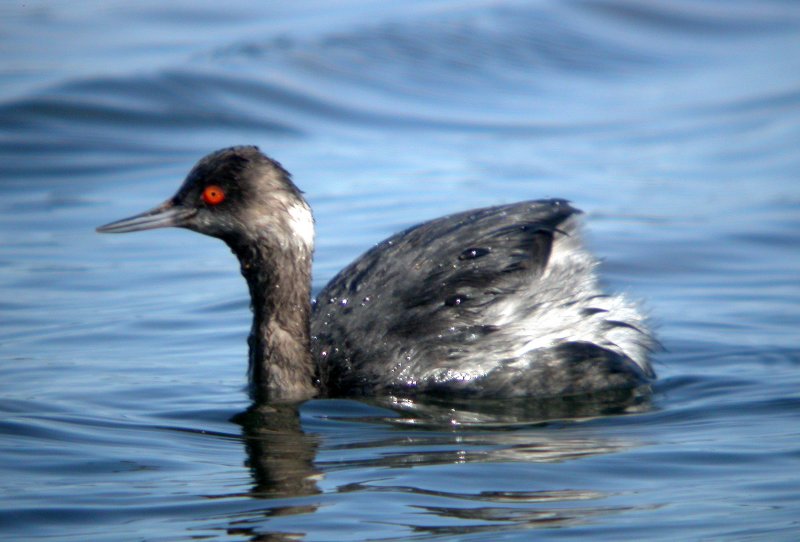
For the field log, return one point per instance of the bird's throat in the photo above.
(280, 368)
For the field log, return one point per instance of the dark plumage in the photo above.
(496, 302)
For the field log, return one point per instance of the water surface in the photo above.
(674, 125)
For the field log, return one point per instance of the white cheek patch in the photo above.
(301, 223)
(289, 225)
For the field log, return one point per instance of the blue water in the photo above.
(674, 125)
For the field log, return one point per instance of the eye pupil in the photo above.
(213, 195)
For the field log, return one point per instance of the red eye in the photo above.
(213, 195)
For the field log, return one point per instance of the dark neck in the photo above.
(279, 278)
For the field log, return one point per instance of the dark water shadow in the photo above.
(505, 414)
(280, 454)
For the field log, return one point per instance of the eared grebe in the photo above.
(494, 302)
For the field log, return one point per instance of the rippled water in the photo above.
(674, 125)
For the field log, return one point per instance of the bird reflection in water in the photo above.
(286, 466)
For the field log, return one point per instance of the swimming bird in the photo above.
(495, 302)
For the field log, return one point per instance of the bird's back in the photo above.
(500, 301)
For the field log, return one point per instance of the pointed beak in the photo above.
(166, 215)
